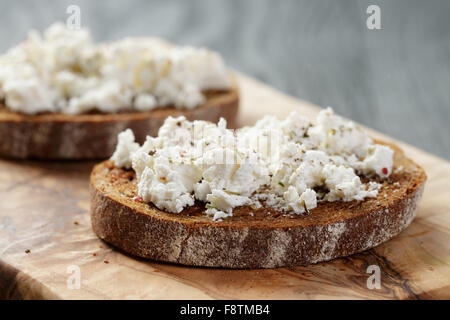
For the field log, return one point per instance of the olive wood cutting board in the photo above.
(46, 240)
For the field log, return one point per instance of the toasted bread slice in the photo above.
(94, 135)
(267, 239)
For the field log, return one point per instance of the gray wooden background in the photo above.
(396, 80)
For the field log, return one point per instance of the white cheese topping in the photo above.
(288, 165)
(64, 71)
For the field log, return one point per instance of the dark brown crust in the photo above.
(261, 241)
(94, 136)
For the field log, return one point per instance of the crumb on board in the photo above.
(106, 261)
(27, 251)
(399, 169)
(94, 254)
(75, 222)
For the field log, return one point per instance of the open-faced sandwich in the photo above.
(62, 96)
(279, 193)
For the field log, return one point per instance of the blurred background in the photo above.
(395, 80)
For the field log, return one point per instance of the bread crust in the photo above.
(263, 240)
(94, 136)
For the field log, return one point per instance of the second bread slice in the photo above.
(94, 136)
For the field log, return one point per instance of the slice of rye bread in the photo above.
(55, 136)
(267, 239)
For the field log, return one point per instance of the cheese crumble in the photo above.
(289, 165)
(64, 71)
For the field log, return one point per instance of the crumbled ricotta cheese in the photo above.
(65, 71)
(290, 165)
(124, 150)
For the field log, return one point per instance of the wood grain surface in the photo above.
(45, 228)
(395, 80)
